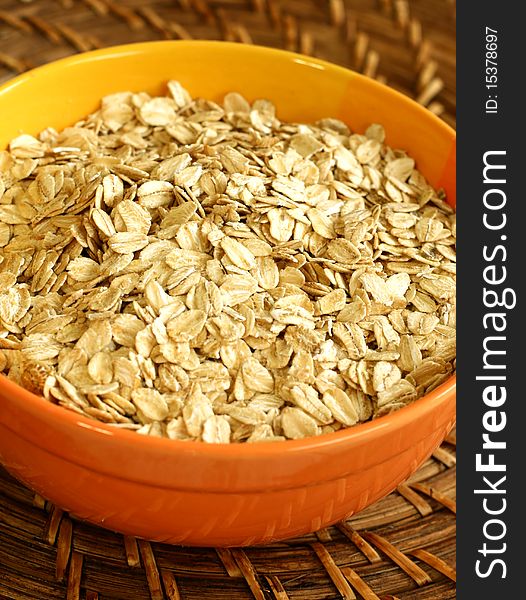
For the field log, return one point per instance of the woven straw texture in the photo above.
(401, 547)
(409, 45)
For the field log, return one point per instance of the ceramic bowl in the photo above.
(190, 492)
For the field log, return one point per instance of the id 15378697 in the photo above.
(491, 71)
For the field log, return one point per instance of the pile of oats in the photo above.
(207, 272)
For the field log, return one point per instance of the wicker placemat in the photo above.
(401, 547)
(409, 45)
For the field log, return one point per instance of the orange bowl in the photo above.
(191, 492)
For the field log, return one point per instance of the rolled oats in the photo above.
(204, 272)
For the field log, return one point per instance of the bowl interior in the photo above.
(303, 89)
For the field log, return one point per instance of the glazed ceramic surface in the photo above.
(191, 492)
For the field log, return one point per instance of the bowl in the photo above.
(190, 492)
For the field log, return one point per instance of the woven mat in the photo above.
(401, 547)
(409, 45)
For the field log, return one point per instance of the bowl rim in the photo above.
(349, 435)
(303, 59)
